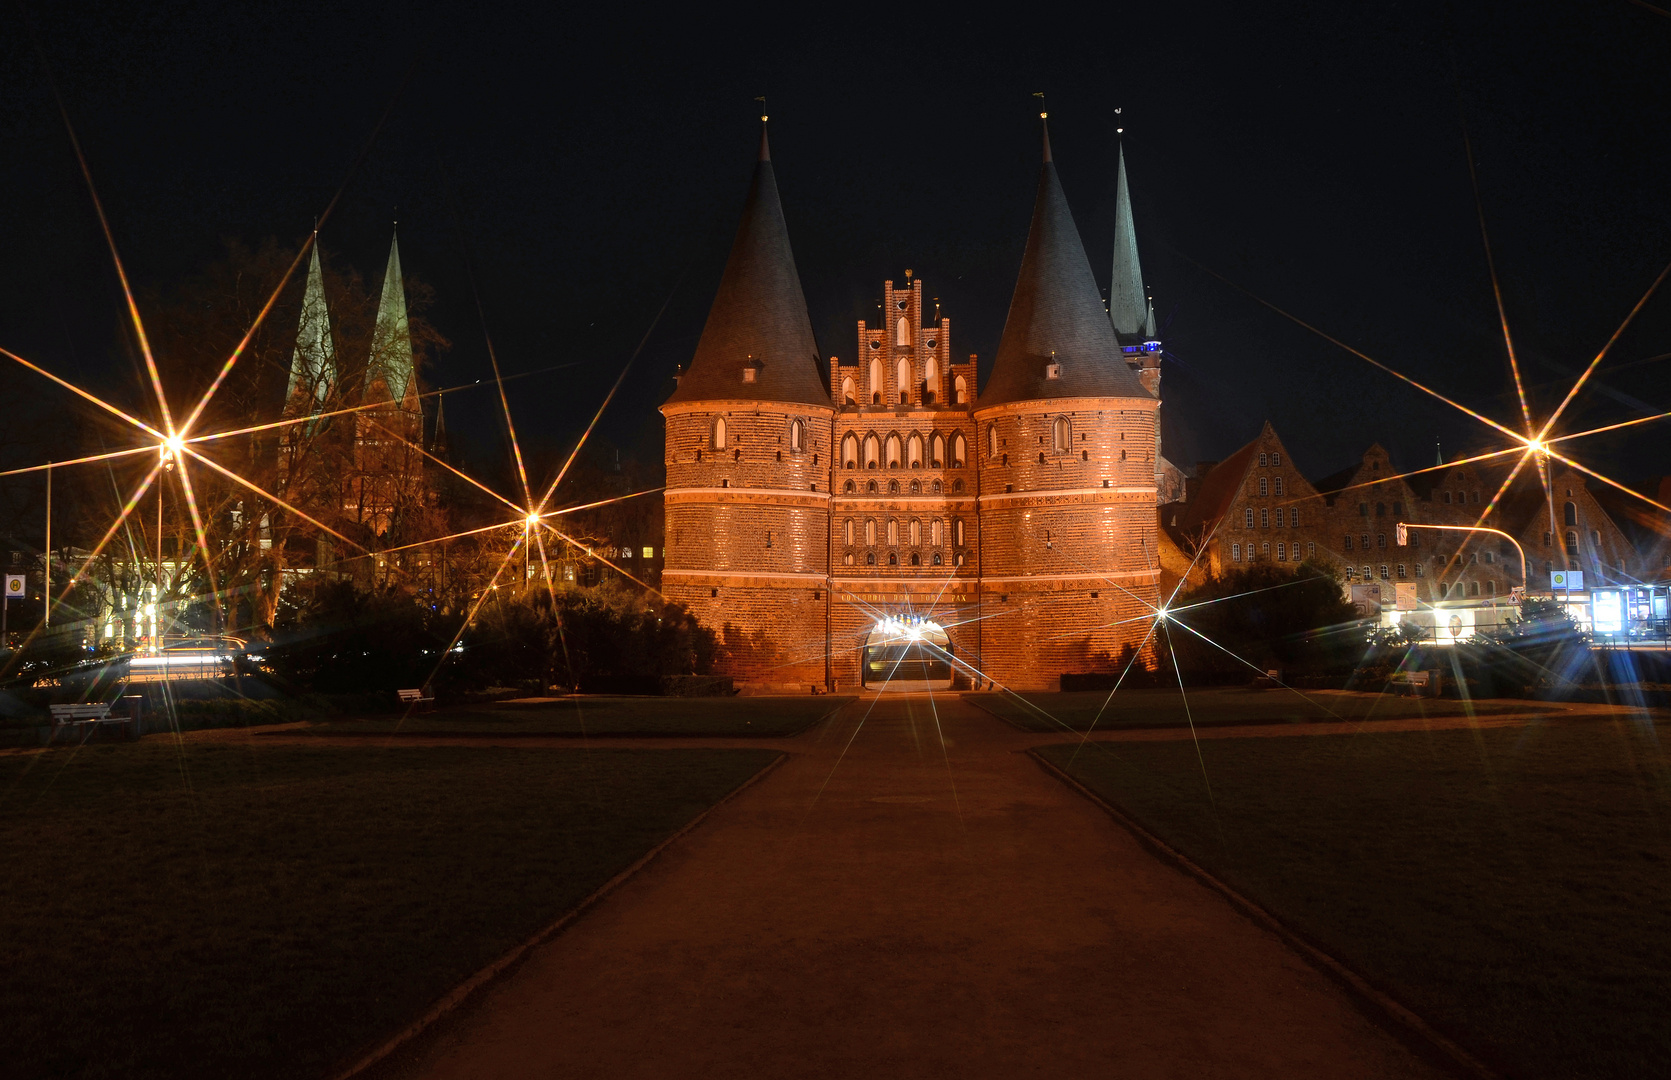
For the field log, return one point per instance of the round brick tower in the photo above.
(1066, 444)
(748, 463)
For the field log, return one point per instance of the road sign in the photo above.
(16, 584)
(1569, 580)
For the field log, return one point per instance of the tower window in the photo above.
(959, 450)
(902, 332)
(1061, 435)
(961, 389)
(797, 436)
(719, 433)
(848, 391)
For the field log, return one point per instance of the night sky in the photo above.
(594, 170)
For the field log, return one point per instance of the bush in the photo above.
(1267, 616)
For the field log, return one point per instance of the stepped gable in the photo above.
(1057, 316)
(759, 316)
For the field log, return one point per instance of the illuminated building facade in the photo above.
(805, 519)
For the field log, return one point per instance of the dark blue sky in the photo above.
(1311, 152)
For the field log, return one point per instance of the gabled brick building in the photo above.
(806, 522)
(1256, 506)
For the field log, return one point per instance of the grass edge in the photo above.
(1383, 1009)
(461, 994)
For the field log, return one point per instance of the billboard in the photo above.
(1404, 595)
(1607, 611)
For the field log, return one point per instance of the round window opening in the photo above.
(900, 304)
(933, 344)
(876, 344)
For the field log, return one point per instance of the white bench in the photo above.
(414, 698)
(63, 714)
(1414, 681)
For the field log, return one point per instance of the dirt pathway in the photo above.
(885, 906)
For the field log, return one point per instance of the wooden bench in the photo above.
(63, 714)
(414, 699)
(1416, 682)
(91, 720)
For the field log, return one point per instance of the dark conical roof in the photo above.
(759, 314)
(1057, 316)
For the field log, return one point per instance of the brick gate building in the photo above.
(803, 515)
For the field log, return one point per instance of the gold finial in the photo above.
(1118, 130)
(1043, 115)
(762, 100)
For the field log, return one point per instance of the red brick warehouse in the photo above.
(803, 516)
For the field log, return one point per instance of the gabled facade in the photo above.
(1255, 506)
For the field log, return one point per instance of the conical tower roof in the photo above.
(1056, 316)
(313, 366)
(391, 349)
(759, 318)
(1128, 305)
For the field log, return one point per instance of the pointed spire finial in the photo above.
(1119, 128)
(1044, 122)
(765, 148)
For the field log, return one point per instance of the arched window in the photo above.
(893, 532)
(936, 451)
(934, 533)
(1380, 509)
(916, 559)
(916, 532)
(931, 377)
(849, 451)
(1572, 544)
(957, 485)
(719, 433)
(849, 392)
(848, 488)
(902, 332)
(914, 450)
(797, 436)
(873, 450)
(902, 375)
(847, 559)
(876, 386)
(957, 533)
(848, 529)
(870, 489)
(937, 559)
(1061, 435)
(959, 559)
(1282, 553)
(992, 440)
(1570, 513)
(893, 451)
(893, 558)
(893, 487)
(961, 389)
(959, 450)
(870, 558)
(1247, 518)
(1235, 553)
(936, 487)
(870, 531)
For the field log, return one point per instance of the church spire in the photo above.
(1058, 341)
(757, 344)
(391, 349)
(313, 367)
(1128, 304)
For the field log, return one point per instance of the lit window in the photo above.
(893, 532)
(902, 374)
(902, 332)
(936, 451)
(916, 532)
(934, 533)
(849, 451)
(719, 433)
(848, 530)
(649, 553)
(961, 389)
(959, 450)
(957, 533)
(848, 391)
(870, 530)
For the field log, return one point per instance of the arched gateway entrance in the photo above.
(906, 654)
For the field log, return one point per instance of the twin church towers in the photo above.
(815, 507)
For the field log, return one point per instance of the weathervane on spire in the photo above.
(1043, 114)
(762, 100)
(1118, 129)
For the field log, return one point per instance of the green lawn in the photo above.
(1511, 885)
(1057, 712)
(731, 716)
(220, 911)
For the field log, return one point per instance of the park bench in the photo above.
(414, 699)
(91, 717)
(1413, 682)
